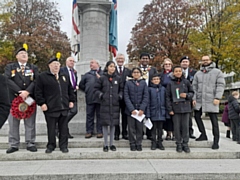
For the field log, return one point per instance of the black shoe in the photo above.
(139, 147)
(48, 150)
(113, 148)
(179, 148)
(192, 136)
(32, 149)
(116, 138)
(154, 146)
(228, 134)
(11, 150)
(133, 148)
(186, 149)
(70, 136)
(160, 146)
(215, 146)
(105, 149)
(125, 137)
(202, 137)
(64, 150)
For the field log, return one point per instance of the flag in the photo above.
(113, 33)
(75, 39)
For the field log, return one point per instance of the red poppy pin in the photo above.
(110, 79)
(137, 83)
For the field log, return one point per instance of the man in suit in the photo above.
(21, 76)
(189, 74)
(147, 72)
(123, 72)
(4, 100)
(87, 84)
(55, 96)
(72, 74)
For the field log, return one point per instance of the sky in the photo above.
(128, 11)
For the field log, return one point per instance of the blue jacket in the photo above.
(157, 103)
(136, 96)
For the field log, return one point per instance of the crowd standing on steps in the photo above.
(167, 99)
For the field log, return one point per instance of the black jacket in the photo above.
(87, 84)
(175, 103)
(136, 96)
(4, 100)
(18, 82)
(233, 108)
(56, 94)
(109, 90)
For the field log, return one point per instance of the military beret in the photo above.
(184, 57)
(53, 59)
(20, 49)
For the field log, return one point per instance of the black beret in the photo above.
(145, 54)
(21, 49)
(53, 59)
(184, 57)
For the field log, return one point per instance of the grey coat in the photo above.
(208, 84)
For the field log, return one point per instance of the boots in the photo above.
(228, 134)
(154, 146)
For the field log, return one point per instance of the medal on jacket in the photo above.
(13, 73)
(177, 93)
(64, 79)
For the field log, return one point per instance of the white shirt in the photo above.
(119, 69)
(186, 72)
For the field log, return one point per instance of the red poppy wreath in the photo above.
(20, 109)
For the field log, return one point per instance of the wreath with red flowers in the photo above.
(20, 109)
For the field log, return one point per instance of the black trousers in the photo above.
(124, 121)
(235, 127)
(157, 131)
(214, 122)
(135, 131)
(181, 128)
(91, 109)
(72, 112)
(62, 123)
(190, 123)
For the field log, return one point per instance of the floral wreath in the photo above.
(20, 109)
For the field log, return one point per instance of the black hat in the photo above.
(184, 57)
(21, 49)
(53, 59)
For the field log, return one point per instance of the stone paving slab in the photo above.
(148, 169)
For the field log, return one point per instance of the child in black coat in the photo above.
(157, 111)
(179, 95)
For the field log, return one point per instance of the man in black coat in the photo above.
(123, 72)
(21, 82)
(147, 72)
(55, 95)
(72, 74)
(189, 74)
(4, 100)
(87, 84)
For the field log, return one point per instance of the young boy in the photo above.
(179, 95)
(233, 115)
(157, 110)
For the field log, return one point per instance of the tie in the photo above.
(73, 79)
(120, 70)
(22, 69)
(56, 76)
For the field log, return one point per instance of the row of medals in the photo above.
(145, 73)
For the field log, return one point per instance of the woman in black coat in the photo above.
(109, 89)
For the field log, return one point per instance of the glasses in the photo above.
(136, 72)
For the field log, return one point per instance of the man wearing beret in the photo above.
(4, 100)
(189, 74)
(21, 76)
(55, 95)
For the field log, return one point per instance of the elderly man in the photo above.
(123, 72)
(4, 100)
(208, 85)
(72, 74)
(54, 93)
(87, 84)
(189, 74)
(21, 78)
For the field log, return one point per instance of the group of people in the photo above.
(167, 99)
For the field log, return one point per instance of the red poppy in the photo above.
(110, 79)
(20, 109)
